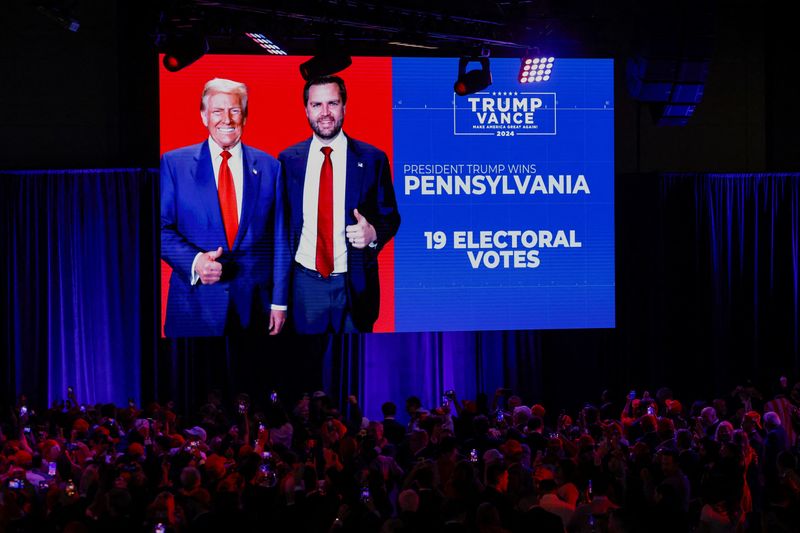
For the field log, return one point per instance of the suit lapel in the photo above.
(207, 188)
(353, 181)
(296, 176)
(251, 183)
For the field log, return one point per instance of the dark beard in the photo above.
(336, 129)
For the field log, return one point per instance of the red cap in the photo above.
(754, 417)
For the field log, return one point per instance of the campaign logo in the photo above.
(505, 113)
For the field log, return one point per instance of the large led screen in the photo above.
(505, 196)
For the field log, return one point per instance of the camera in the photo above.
(473, 455)
(242, 407)
(51, 468)
(44, 485)
(365, 495)
(69, 489)
(17, 484)
(273, 397)
(651, 410)
(23, 411)
(27, 429)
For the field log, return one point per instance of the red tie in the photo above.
(227, 199)
(325, 216)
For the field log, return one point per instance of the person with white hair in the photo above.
(775, 442)
(223, 227)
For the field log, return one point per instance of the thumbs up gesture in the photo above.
(361, 233)
(207, 267)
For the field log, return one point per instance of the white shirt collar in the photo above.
(338, 143)
(215, 149)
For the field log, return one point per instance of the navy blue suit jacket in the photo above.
(368, 188)
(254, 273)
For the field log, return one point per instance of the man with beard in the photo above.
(342, 212)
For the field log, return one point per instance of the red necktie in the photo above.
(227, 199)
(325, 216)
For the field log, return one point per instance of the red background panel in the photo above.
(276, 120)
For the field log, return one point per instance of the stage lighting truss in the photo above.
(535, 69)
(266, 44)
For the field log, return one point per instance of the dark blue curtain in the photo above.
(78, 284)
(707, 296)
(729, 248)
(426, 365)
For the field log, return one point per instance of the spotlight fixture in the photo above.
(330, 61)
(266, 44)
(535, 69)
(331, 57)
(180, 51)
(474, 80)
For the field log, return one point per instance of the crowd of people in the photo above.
(488, 465)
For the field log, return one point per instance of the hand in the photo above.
(276, 320)
(361, 233)
(207, 267)
(352, 399)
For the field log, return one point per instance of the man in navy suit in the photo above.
(223, 230)
(342, 212)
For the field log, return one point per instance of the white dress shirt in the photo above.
(236, 166)
(235, 163)
(307, 250)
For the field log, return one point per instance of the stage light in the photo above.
(266, 44)
(474, 80)
(325, 64)
(535, 69)
(181, 51)
(330, 59)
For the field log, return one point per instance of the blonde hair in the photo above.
(221, 85)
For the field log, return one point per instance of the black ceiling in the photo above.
(506, 28)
